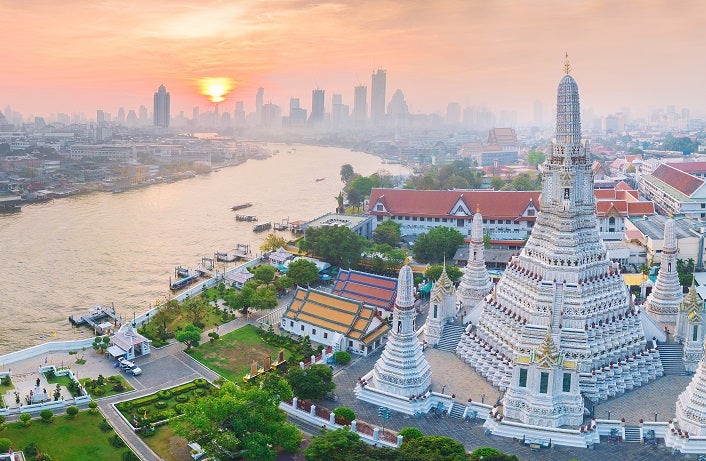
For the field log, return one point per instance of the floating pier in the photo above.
(95, 317)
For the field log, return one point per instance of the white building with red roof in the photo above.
(674, 191)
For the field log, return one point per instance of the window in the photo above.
(379, 207)
(435, 311)
(444, 220)
(437, 219)
(379, 218)
(543, 382)
(313, 331)
(566, 384)
(302, 327)
(414, 218)
(421, 219)
(291, 324)
(350, 343)
(406, 218)
(695, 336)
(523, 377)
(459, 223)
(325, 335)
(530, 212)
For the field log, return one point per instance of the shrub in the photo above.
(142, 410)
(50, 374)
(5, 445)
(201, 382)
(98, 391)
(179, 408)
(47, 415)
(6, 380)
(182, 398)
(26, 419)
(92, 407)
(2, 419)
(30, 449)
(43, 457)
(118, 387)
(116, 441)
(342, 357)
(409, 433)
(200, 392)
(130, 456)
(161, 405)
(213, 335)
(164, 394)
(105, 426)
(72, 411)
(344, 415)
(124, 406)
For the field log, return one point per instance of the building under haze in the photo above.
(317, 106)
(161, 108)
(360, 104)
(377, 96)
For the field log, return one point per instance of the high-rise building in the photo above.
(144, 116)
(259, 101)
(297, 115)
(360, 103)
(317, 106)
(453, 113)
(161, 108)
(339, 111)
(377, 96)
(239, 114)
(121, 115)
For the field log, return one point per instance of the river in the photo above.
(65, 256)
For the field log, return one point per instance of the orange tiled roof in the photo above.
(372, 290)
(349, 317)
(678, 179)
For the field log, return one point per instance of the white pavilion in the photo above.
(690, 328)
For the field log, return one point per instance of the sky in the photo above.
(78, 56)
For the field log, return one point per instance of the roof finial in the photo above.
(477, 207)
(567, 64)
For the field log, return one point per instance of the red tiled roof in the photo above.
(372, 290)
(439, 203)
(681, 181)
(690, 167)
(622, 185)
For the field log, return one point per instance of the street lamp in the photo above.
(384, 413)
(656, 414)
(482, 398)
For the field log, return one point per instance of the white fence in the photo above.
(42, 349)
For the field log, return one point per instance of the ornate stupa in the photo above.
(666, 296)
(563, 280)
(402, 371)
(475, 283)
(690, 328)
(442, 307)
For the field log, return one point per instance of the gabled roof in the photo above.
(689, 167)
(438, 203)
(679, 180)
(351, 318)
(373, 290)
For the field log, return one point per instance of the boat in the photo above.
(319, 179)
(280, 226)
(181, 272)
(10, 203)
(241, 206)
(262, 227)
(245, 217)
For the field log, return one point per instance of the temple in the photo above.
(690, 329)
(562, 281)
(442, 308)
(666, 296)
(475, 283)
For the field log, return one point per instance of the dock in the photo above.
(224, 257)
(283, 225)
(96, 317)
(262, 227)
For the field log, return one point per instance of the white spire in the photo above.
(405, 288)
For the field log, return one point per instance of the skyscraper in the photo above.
(360, 103)
(317, 106)
(339, 111)
(161, 108)
(259, 100)
(377, 96)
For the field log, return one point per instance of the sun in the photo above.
(216, 88)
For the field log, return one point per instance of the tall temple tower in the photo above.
(402, 369)
(442, 307)
(690, 328)
(476, 283)
(563, 281)
(663, 303)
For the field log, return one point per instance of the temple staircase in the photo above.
(457, 410)
(633, 434)
(672, 357)
(450, 337)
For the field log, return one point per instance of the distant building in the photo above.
(317, 106)
(649, 232)
(259, 100)
(359, 224)
(297, 115)
(339, 111)
(675, 191)
(377, 96)
(453, 113)
(360, 104)
(161, 108)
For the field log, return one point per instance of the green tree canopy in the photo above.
(337, 245)
(535, 157)
(408, 433)
(302, 272)
(440, 241)
(264, 273)
(311, 383)
(359, 188)
(683, 144)
(434, 272)
(525, 181)
(347, 173)
(272, 243)
(238, 423)
(387, 232)
(458, 174)
(434, 448)
(190, 335)
(497, 183)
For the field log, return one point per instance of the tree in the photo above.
(524, 181)
(344, 415)
(434, 272)
(440, 241)
(5, 445)
(26, 419)
(491, 454)
(47, 415)
(409, 433)
(333, 446)
(195, 309)
(434, 448)
(342, 357)
(302, 272)
(362, 185)
(190, 335)
(535, 157)
(339, 201)
(682, 144)
(284, 282)
(347, 173)
(355, 199)
(311, 383)
(273, 242)
(264, 273)
(497, 183)
(337, 245)
(236, 422)
(72, 411)
(264, 298)
(387, 232)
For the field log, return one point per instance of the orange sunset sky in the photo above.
(74, 55)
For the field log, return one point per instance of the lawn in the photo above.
(168, 445)
(231, 355)
(67, 440)
(112, 385)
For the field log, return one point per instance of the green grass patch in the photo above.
(164, 404)
(233, 353)
(112, 385)
(6, 387)
(168, 445)
(64, 439)
(61, 380)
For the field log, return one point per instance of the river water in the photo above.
(65, 256)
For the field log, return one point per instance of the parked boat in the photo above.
(319, 179)
(10, 203)
(242, 250)
(241, 206)
(245, 217)
(262, 227)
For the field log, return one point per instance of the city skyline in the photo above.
(112, 55)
